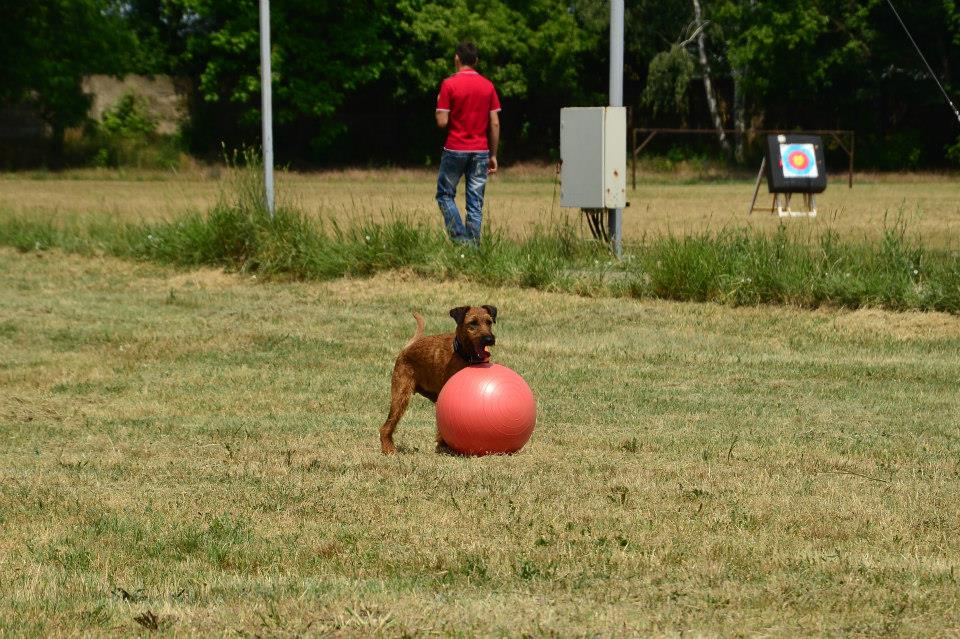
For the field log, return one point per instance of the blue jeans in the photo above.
(454, 165)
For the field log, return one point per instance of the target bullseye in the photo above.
(798, 161)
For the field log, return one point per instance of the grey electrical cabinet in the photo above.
(593, 157)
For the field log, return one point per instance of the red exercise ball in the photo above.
(484, 409)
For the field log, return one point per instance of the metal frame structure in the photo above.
(844, 138)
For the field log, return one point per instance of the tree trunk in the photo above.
(739, 113)
(57, 132)
(740, 105)
(707, 84)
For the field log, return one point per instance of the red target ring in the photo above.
(798, 160)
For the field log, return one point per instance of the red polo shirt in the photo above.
(470, 98)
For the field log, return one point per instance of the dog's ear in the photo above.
(459, 313)
(492, 310)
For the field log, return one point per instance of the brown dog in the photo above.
(426, 363)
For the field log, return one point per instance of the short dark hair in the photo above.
(467, 52)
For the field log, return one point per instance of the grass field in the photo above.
(196, 453)
(519, 199)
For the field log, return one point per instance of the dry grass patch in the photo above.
(212, 467)
(207, 279)
(517, 200)
(901, 326)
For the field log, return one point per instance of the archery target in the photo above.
(795, 163)
(798, 161)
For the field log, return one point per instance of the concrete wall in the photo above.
(165, 97)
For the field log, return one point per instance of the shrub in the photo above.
(126, 137)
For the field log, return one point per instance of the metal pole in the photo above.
(615, 216)
(267, 104)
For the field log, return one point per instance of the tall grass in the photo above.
(739, 267)
(742, 267)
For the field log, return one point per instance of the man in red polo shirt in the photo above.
(468, 107)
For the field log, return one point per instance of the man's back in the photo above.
(470, 98)
(467, 107)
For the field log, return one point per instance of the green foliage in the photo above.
(127, 136)
(953, 152)
(129, 117)
(794, 46)
(49, 45)
(355, 81)
(815, 64)
(537, 53)
(322, 51)
(898, 150)
(669, 74)
(331, 59)
(525, 46)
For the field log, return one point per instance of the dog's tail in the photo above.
(419, 333)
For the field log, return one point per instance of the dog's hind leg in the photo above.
(401, 388)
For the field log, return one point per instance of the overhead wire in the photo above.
(933, 75)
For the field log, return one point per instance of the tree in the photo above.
(323, 50)
(668, 79)
(356, 81)
(707, 81)
(827, 64)
(535, 51)
(48, 46)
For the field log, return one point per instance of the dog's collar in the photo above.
(469, 358)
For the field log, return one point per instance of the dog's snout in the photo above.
(488, 340)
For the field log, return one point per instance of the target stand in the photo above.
(793, 165)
